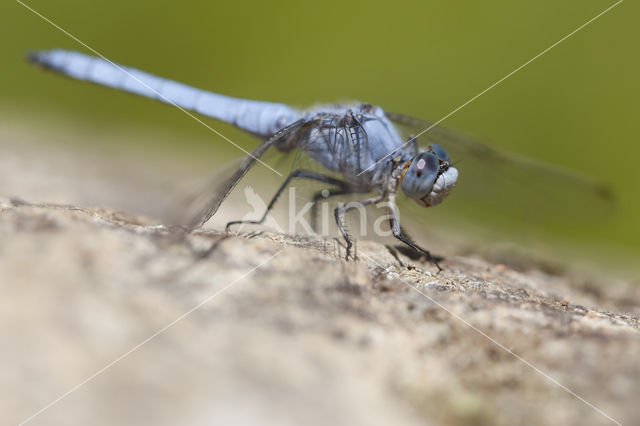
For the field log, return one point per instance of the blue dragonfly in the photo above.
(361, 148)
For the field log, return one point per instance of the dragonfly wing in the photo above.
(211, 206)
(507, 182)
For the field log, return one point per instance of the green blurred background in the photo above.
(575, 106)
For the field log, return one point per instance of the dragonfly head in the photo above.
(429, 177)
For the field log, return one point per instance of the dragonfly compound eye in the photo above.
(420, 175)
(439, 152)
(426, 182)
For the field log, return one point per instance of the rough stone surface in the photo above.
(268, 329)
(131, 324)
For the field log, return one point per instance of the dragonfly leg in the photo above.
(340, 210)
(323, 195)
(400, 235)
(298, 174)
(433, 259)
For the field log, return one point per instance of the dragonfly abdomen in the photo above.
(259, 118)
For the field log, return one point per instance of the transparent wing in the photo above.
(498, 184)
(200, 208)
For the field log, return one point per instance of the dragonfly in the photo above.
(362, 149)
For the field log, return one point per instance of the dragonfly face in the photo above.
(429, 177)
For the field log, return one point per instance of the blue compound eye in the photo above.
(439, 152)
(420, 175)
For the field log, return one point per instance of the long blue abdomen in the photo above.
(259, 118)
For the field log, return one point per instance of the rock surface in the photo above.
(268, 329)
(108, 318)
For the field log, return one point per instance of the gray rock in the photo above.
(272, 329)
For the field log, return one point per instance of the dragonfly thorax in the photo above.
(357, 142)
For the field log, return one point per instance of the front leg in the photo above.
(399, 234)
(431, 258)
